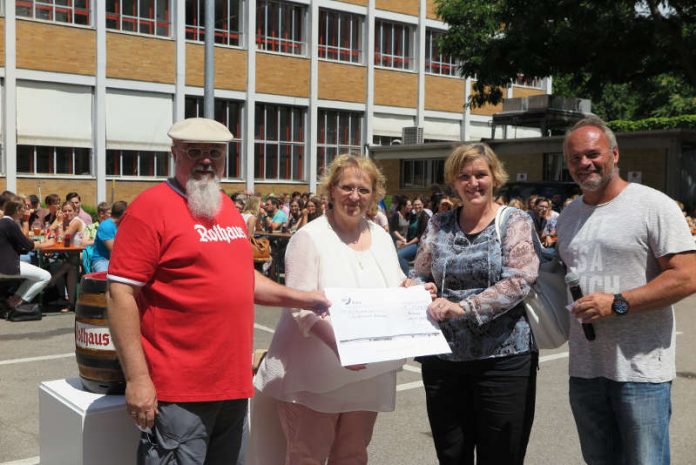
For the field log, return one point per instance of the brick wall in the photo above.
(486, 110)
(57, 48)
(525, 92)
(444, 94)
(396, 88)
(277, 189)
(407, 7)
(391, 170)
(2, 41)
(355, 2)
(230, 67)
(342, 82)
(128, 190)
(87, 188)
(140, 58)
(430, 10)
(282, 75)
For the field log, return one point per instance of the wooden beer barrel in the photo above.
(100, 370)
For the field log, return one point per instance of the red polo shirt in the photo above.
(197, 294)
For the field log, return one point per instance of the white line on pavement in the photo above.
(411, 368)
(264, 328)
(29, 461)
(548, 358)
(409, 386)
(35, 359)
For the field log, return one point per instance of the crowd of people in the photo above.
(183, 332)
(34, 229)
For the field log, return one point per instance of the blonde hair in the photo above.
(341, 163)
(469, 152)
(252, 205)
(517, 203)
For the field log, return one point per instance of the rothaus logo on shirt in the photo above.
(219, 234)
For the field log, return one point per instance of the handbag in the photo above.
(547, 299)
(261, 248)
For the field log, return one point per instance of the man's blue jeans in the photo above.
(406, 254)
(622, 423)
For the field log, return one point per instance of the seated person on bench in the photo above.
(13, 243)
(106, 233)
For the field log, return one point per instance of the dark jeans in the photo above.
(472, 406)
(195, 433)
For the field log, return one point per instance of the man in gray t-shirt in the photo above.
(634, 254)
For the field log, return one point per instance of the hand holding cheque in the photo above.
(376, 325)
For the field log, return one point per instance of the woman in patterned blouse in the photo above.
(481, 396)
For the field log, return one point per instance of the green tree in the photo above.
(632, 58)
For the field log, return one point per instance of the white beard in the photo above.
(203, 197)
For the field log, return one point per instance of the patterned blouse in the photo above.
(493, 279)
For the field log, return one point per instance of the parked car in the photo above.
(558, 192)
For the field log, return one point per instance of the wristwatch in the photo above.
(620, 306)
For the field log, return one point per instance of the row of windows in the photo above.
(274, 160)
(61, 11)
(279, 145)
(137, 163)
(280, 27)
(285, 158)
(228, 21)
(152, 17)
(33, 159)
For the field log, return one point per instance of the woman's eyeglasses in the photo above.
(346, 189)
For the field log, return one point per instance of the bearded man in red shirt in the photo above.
(182, 289)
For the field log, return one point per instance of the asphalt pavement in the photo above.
(36, 351)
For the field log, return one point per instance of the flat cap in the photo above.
(200, 130)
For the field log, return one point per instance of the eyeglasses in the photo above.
(348, 190)
(214, 153)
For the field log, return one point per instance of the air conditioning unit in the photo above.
(412, 135)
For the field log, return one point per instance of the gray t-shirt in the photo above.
(612, 248)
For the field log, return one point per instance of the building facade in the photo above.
(90, 87)
(662, 159)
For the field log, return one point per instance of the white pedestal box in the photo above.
(77, 427)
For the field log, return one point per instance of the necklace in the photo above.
(344, 236)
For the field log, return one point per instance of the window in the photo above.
(279, 142)
(60, 11)
(280, 27)
(228, 21)
(393, 45)
(153, 17)
(139, 163)
(522, 80)
(340, 36)
(435, 61)
(40, 159)
(229, 113)
(386, 140)
(421, 174)
(555, 168)
(337, 132)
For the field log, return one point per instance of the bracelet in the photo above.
(466, 306)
